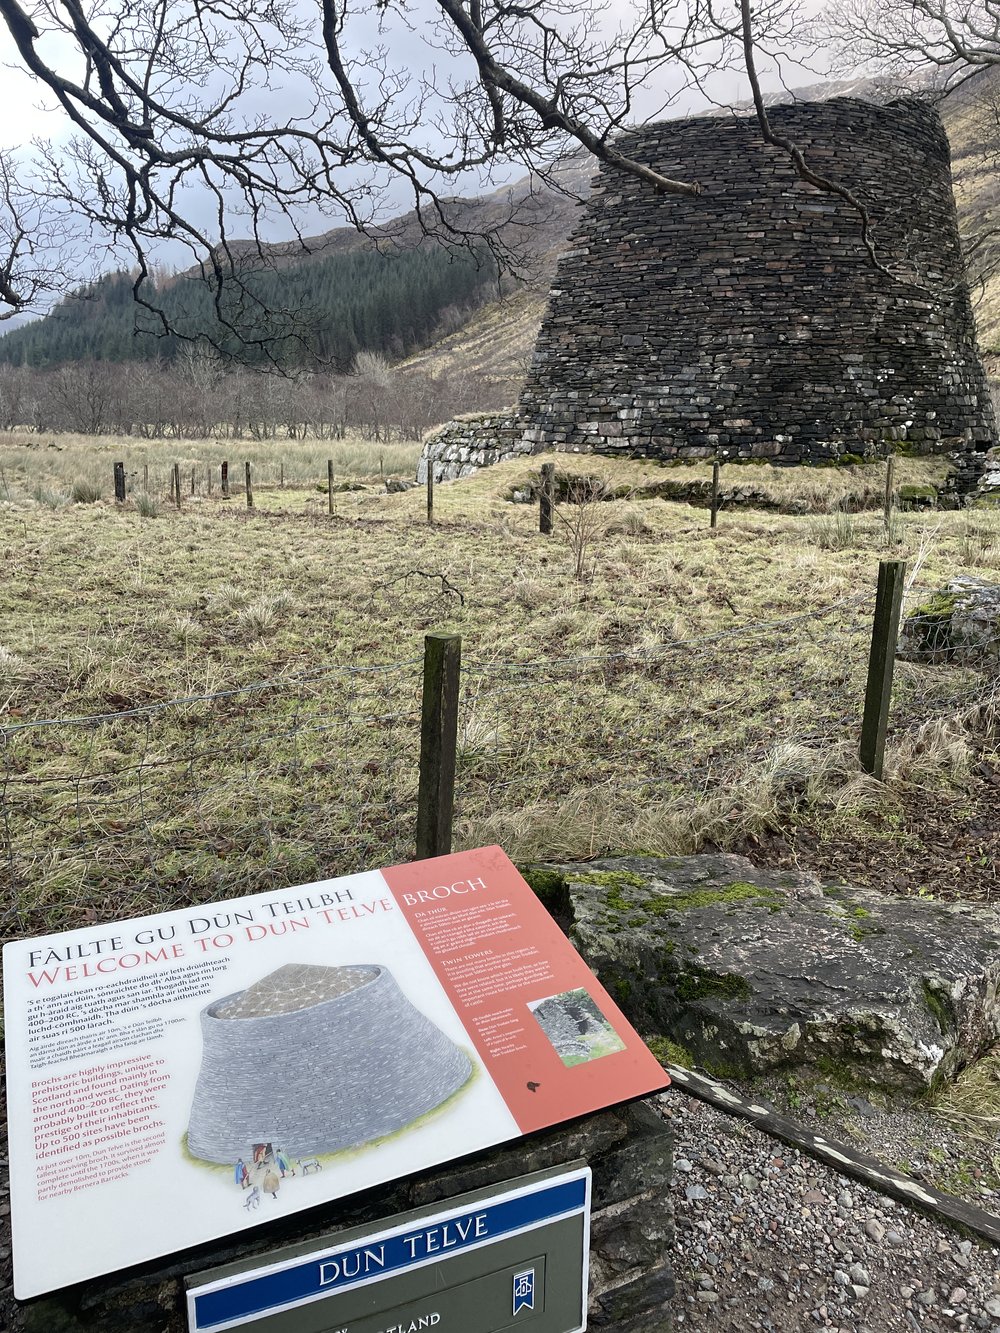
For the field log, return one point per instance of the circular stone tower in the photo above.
(751, 321)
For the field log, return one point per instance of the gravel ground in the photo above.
(770, 1239)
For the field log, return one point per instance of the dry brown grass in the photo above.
(690, 690)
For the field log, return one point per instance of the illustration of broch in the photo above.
(318, 1059)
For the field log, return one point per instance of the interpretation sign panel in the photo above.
(494, 1259)
(176, 1078)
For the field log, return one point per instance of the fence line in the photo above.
(314, 773)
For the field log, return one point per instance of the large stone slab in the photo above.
(750, 970)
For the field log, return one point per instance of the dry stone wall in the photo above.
(750, 321)
(463, 446)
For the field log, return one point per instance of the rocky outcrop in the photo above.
(747, 970)
(959, 624)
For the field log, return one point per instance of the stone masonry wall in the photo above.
(631, 1279)
(750, 321)
(462, 447)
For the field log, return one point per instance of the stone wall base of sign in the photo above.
(631, 1280)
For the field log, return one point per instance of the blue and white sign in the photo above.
(244, 1297)
(524, 1290)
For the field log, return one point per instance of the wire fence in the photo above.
(284, 781)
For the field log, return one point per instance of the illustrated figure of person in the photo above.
(271, 1182)
(240, 1174)
(284, 1166)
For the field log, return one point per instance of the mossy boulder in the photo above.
(917, 497)
(749, 970)
(959, 623)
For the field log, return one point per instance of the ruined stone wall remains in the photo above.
(463, 446)
(750, 321)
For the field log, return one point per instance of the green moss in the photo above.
(740, 891)
(840, 1073)
(622, 989)
(859, 932)
(941, 605)
(697, 983)
(932, 621)
(856, 923)
(548, 886)
(914, 494)
(938, 1007)
(670, 1052)
(612, 879)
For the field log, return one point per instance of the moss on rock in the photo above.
(739, 891)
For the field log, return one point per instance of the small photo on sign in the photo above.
(576, 1027)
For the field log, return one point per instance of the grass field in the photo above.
(48, 468)
(692, 686)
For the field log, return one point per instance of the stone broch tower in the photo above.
(750, 322)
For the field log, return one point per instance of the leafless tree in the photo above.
(37, 244)
(204, 121)
(934, 43)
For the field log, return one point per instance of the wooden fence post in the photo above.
(208, 477)
(890, 490)
(282, 465)
(438, 739)
(177, 485)
(885, 632)
(547, 498)
(192, 482)
(119, 483)
(145, 477)
(714, 522)
(329, 484)
(225, 481)
(249, 487)
(430, 490)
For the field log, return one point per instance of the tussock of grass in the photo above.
(85, 493)
(260, 617)
(972, 1102)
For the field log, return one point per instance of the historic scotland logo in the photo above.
(524, 1290)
